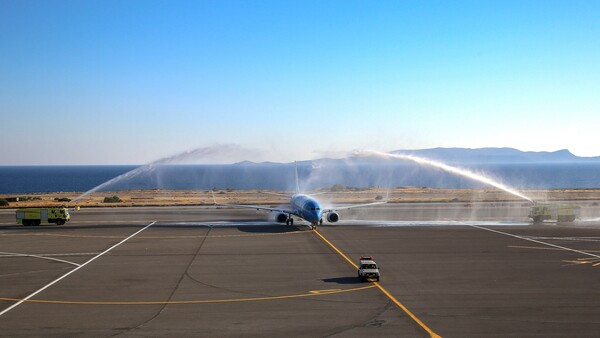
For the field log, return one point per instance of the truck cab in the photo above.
(367, 269)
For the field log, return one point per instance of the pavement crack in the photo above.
(187, 273)
(164, 306)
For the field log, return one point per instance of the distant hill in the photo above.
(497, 155)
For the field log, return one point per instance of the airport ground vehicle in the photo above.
(554, 212)
(367, 269)
(37, 216)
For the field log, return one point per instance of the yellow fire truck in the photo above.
(35, 216)
(554, 212)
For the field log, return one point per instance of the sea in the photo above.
(274, 176)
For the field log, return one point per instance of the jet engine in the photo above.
(281, 218)
(333, 217)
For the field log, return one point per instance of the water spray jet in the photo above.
(445, 167)
(219, 153)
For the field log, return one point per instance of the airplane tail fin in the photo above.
(296, 171)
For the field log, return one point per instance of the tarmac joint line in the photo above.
(431, 333)
(160, 237)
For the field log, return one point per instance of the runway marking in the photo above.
(325, 291)
(14, 254)
(537, 241)
(588, 260)
(593, 261)
(542, 248)
(204, 301)
(21, 301)
(382, 289)
(577, 239)
(160, 237)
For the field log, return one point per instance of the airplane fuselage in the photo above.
(307, 208)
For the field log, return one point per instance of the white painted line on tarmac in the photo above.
(577, 239)
(421, 223)
(72, 271)
(15, 254)
(536, 241)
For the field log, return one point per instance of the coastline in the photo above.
(155, 197)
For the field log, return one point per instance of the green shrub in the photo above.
(62, 199)
(113, 199)
(3, 202)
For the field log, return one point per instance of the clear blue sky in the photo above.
(112, 82)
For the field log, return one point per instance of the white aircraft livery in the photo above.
(302, 206)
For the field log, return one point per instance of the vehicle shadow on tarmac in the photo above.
(343, 280)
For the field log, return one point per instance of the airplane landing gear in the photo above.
(290, 221)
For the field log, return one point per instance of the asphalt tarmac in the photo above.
(453, 270)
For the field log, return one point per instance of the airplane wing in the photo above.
(276, 194)
(342, 207)
(291, 195)
(256, 207)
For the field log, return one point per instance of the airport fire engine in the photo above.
(37, 216)
(554, 212)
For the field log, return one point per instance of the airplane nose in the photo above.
(315, 216)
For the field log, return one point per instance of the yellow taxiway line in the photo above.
(312, 293)
(382, 289)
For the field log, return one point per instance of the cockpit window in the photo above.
(368, 266)
(311, 205)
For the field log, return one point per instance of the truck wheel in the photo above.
(378, 279)
(37, 222)
(26, 223)
(60, 222)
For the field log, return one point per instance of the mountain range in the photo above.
(471, 156)
(497, 155)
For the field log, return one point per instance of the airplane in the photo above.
(302, 206)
